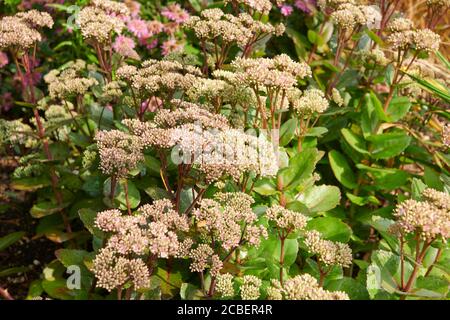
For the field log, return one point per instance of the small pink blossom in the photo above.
(6, 101)
(286, 10)
(170, 46)
(134, 7)
(3, 59)
(175, 13)
(154, 27)
(306, 6)
(125, 46)
(139, 28)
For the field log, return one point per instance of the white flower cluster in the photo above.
(19, 31)
(159, 78)
(101, 20)
(241, 30)
(230, 220)
(431, 218)
(155, 228)
(309, 102)
(286, 219)
(403, 36)
(205, 140)
(119, 152)
(302, 287)
(261, 6)
(69, 81)
(328, 252)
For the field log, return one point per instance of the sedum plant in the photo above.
(284, 150)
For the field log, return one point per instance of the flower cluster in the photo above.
(124, 46)
(309, 102)
(113, 271)
(101, 20)
(286, 219)
(261, 6)
(240, 30)
(203, 258)
(250, 288)
(328, 252)
(155, 229)
(159, 78)
(302, 287)
(119, 152)
(224, 285)
(229, 220)
(69, 81)
(19, 31)
(431, 217)
(403, 36)
(279, 72)
(206, 141)
(17, 132)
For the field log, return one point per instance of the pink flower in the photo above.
(125, 46)
(151, 104)
(175, 13)
(3, 59)
(154, 27)
(286, 10)
(6, 101)
(134, 7)
(139, 28)
(170, 46)
(306, 6)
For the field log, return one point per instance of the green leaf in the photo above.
(383, 274)
(386, 178)
(398, 108)
(434, 87)
(88, 217)
(301, 167)
(30, 184)
(369, 117)
(46, 208)
(10, 239)
(362, 201)
(287, 131)
(355, 141)
(342, 170)
(265, 187)
(435, 287)
(12, 271)
(320, 198)
(331, 228)
(354, 289)
(388, 145)
(70, 257)
(417, 187)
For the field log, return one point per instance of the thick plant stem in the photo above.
(41, 134)
(127, 199)
(282, 239)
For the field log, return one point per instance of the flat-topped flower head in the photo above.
(119, 152)
(71, 81)
(430, 218)
(286, 219)
(102, 19)
(113, 271)
(328, 252)
(20, 31)
(309, 102)
(302, 287)
(250, 288)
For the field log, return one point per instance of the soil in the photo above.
(30, 252)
